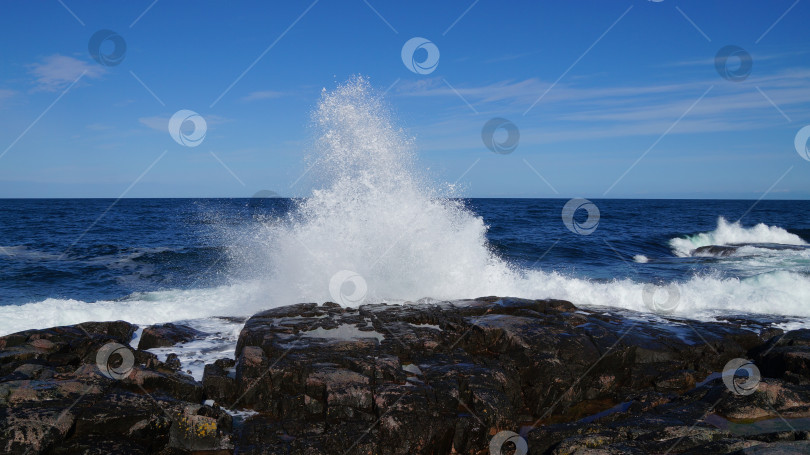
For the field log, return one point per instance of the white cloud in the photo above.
(632, 110)
(263, 95)
(56, 72)
(573, 111)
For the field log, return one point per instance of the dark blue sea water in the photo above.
(94, 249)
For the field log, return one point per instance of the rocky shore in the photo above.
(485, 376)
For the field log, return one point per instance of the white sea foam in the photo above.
(734, 234)
(702, 298)
(219, 341)
(147, 308)
(375, 216)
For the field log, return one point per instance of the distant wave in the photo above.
(734, 234)
(120, 256)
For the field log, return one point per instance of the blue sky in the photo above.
(619, 80)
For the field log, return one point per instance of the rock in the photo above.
(219, 383)
(34, 371)
(715, 250)
(786, 356)
(159, 336)
(61, 395)
(66, 347)
(467, 368)
(428, 378)
(173, 362)
(201, 428)
(173, 383)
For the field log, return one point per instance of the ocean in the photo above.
(64, 261)
(375, 229)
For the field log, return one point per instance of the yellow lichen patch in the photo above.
(197, 426)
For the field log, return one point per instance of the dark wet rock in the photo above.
(55, 397)
(218, 381)
(432, 378)
(162, 378)
(63, 347)
(173, 361)
(715, 250)
(727, 250)
(786, 356)
(201, 428)
(450, 375)
(696, 422)
(159, 336)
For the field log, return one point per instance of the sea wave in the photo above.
(734, 234)
(142, 308)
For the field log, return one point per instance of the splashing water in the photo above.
(376, 216)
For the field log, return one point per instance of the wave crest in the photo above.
(729, 234)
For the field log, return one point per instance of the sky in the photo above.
(611, 99)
